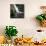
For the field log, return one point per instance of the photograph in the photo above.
(22, 22)
(16, 10)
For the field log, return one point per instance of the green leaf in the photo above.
(40, 18)
(45, 16)
(10, 31)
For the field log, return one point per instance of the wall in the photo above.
(26, 26)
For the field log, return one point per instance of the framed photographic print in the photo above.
(16, 10)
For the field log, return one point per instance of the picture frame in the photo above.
(16, 10)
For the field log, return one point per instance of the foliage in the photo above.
(11, 31)
(41, 17)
